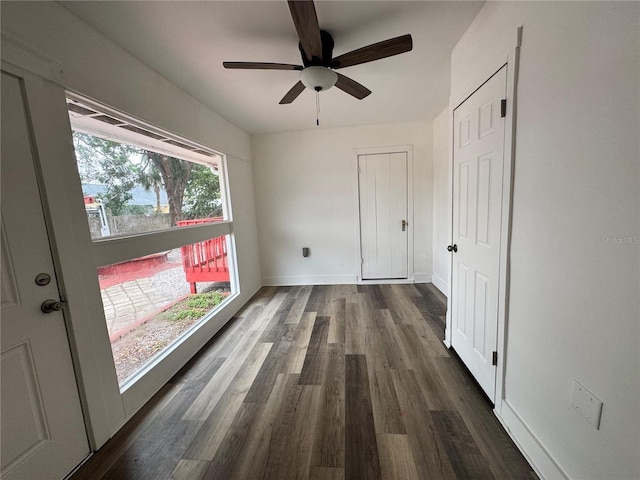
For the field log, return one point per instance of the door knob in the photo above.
(404, 225)
(452, 248)
(51, 305)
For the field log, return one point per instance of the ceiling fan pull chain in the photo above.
(317, 108)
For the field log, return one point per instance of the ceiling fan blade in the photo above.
(292, 94)
(384, 49)
(352, 87)
(261, 66)
(305, 19)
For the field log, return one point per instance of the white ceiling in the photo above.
(187, 42)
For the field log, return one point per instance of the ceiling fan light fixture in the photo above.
(318, 78)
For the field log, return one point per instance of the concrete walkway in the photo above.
(125, 304)
(128, 304)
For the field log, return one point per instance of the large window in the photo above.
(158, 217)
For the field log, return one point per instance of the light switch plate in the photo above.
(586, 403)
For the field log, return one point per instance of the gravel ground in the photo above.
(137, 347)
(131, 351)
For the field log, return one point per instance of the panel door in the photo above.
(43, 431)
(478, 157)
(382, 182)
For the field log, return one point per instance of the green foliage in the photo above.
(194, 306)
(193, 191)
(202, 195)
(149, 177)
(187, 314)
(175, 175)
(205, 300)
(107, 163)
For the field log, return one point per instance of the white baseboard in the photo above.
(421, 277)
(310, 280)
(539, 458)
(440, 284)
(387, 281)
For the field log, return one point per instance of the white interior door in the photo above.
(478, 158)
(43, 431)
(382, 183)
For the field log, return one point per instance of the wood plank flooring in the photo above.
(323, 383)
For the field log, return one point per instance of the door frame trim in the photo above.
(511, 61)
(68, 440)
(408, 149)
(97, 383)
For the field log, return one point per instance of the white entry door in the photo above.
(478, 158)
(382, 183)
(43, 431)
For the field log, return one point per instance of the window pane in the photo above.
(137, 179)
(129, 190)
(149, 302)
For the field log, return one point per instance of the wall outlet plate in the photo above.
(587, 404)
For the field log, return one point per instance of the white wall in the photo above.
(96, 67)
(575, 260)
(441, 202)
(305, 197)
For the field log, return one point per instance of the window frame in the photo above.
(139, 388)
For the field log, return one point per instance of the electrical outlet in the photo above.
(587, 404)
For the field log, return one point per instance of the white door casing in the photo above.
(383, 207)
(43, 430)
(478, 162)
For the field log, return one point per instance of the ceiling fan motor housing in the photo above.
(327, 51)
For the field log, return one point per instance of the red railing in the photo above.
(205, 261)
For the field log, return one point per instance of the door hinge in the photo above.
(494, 358)
(503, 108)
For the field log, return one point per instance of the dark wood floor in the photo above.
(324, 382)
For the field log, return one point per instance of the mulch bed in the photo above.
(133, 350)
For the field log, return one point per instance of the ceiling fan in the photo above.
(318, 64)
